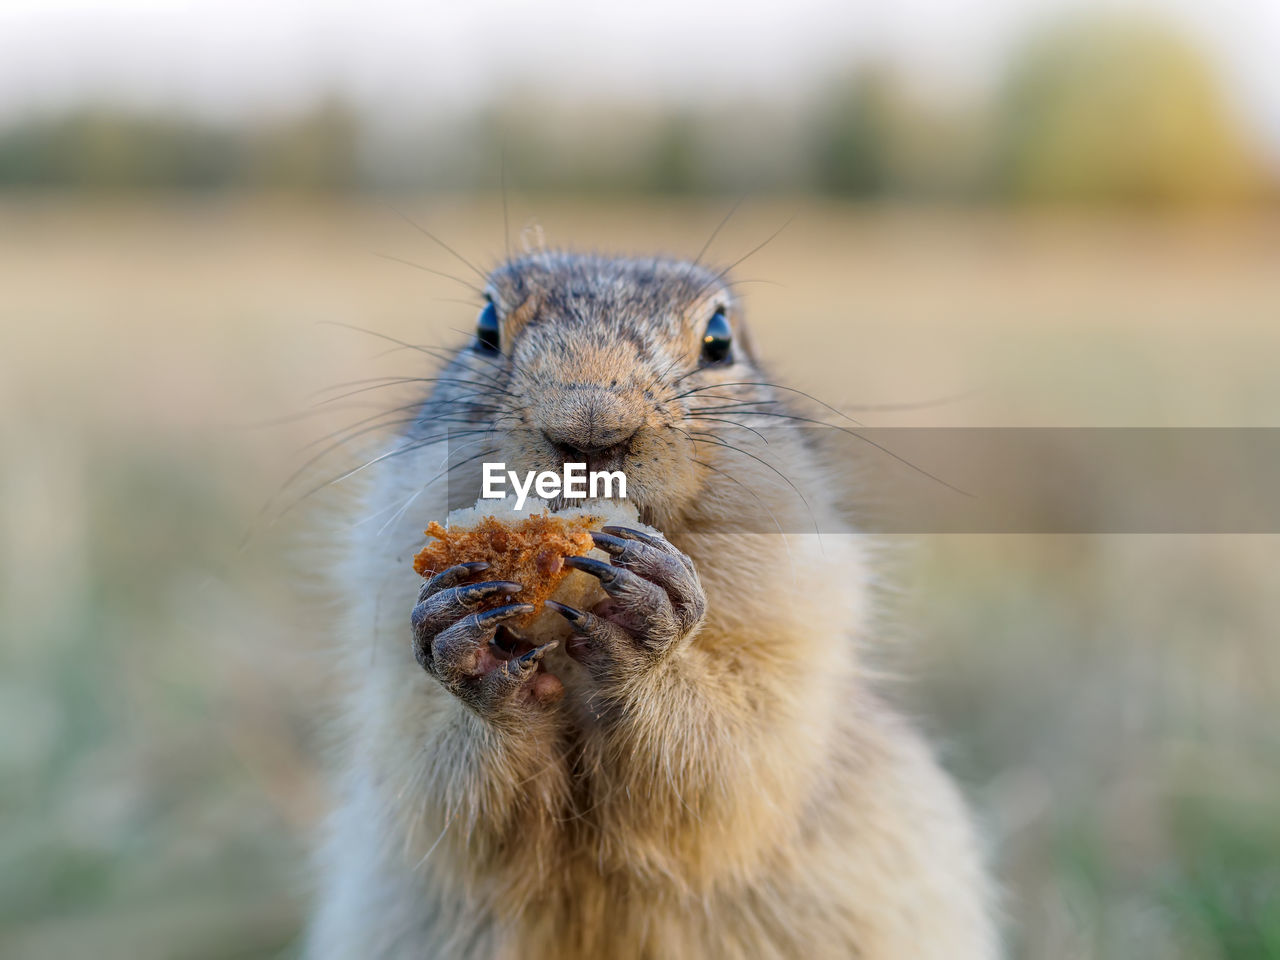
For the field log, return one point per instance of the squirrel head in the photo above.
(608, 361)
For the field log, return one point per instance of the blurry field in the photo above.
(1109, 702)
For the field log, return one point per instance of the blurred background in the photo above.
(1061, 214)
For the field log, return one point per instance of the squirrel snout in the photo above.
(601, 449)
(589, 425)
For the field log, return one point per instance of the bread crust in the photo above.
(528, 550)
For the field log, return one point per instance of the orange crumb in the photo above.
(529, 551)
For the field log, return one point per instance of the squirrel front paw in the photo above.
(656, 602)
(466, 647)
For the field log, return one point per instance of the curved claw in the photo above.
(661, 566)
(500, 614)
(639, 539)
(474, 592)
(572, 614)
(454, 649)
(605, 572)
(596, 639)
(451, 577)
(524, 664)
(436, 612)
(632, 534)
(614, 546)
(656, 600)
(649, 582)
(641, 596)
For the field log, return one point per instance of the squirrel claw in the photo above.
(656, 601)
(614, 546)
(572, 614)
(597, 568)
(632, 534)
(528, 662)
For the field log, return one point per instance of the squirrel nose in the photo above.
(587, 424)
(600, 447)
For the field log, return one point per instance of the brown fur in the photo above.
(749, 796)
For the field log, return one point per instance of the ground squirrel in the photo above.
(705, 770)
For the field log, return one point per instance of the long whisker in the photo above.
(506, 364)
(742, 259)
(472, 410)
(447, 356)
(765, 506)
(439, 273)
(407, 448)
(774, 386)
(417, 493)
(720, 442)
(357, 430)
(913, 405)
(439, 355)
(382, 386)
(303, 415)
(431, 236)
(734, 423)
(662, 373)
(861, 407)
(749, 280)
(719, 226)
(736, 404)
(376, 514)
(853, 433)
(313, 460)
(389, 381)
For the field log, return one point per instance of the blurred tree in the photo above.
(1100, 110)
(317, 151)
(675, 165)
(1118, 110)
(99, 149)
(854, 132)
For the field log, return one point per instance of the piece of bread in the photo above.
(527, 547)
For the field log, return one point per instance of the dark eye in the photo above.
(717, 342)
(487, 330)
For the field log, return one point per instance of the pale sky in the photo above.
(228, 58)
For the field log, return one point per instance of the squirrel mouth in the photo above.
(611, 457)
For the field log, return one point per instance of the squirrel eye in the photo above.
(487, 340)
(717, 342)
